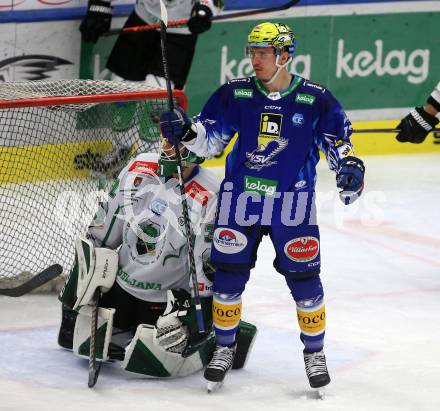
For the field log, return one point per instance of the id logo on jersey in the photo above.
(270, 125)
(270, 129)
(229, 241)
(270, 142)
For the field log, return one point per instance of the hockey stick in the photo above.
(94, 366)
(192, 264)
(38, 280)
(387, 130)
(221, 17)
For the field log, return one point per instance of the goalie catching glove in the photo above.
(171, 334)
(97, 20)
(350, 178)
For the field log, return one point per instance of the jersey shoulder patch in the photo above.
(240, 80)
(314, 86)
(138, 171)
(144, 163)
(241, 88)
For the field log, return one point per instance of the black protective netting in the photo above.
(55, 161)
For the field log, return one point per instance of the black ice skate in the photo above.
(316, 369)
(220, 364)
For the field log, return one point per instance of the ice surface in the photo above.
(381, 266)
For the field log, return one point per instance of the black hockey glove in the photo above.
(97, 20)
(350, 178)
(200, 20)
(416, 126)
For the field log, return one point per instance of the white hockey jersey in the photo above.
(149, 11)
(143, 220)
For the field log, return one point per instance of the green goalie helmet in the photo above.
(167, 160)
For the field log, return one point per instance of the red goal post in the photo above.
(61, 142)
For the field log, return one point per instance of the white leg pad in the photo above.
(145, 356)
(97, 268)
(81, 336)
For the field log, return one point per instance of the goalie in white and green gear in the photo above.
(172, 347)
(140, 324)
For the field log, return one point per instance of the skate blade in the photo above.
(214, 386)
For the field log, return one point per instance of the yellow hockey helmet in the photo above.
(276, 35)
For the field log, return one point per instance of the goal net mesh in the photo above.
(61, 145)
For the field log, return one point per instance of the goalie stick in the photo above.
(94, 366)
(38, 280)
(192, 264)
(220, 17)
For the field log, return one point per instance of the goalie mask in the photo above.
(168, 162)
(275, 35)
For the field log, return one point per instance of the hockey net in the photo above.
(61, 145)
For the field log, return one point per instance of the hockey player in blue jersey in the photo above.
(282, 122)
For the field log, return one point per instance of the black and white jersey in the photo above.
(149, 11)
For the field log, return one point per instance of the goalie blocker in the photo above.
(170, 347)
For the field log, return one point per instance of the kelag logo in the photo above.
(411, 64)
(262, 186)
(243, 93)
(304, 99)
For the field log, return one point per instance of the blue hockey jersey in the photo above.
(279, 134)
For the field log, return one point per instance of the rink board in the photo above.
(39, 163)
(369, 144)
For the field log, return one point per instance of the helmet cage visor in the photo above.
(168, 161)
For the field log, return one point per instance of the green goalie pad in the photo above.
(68, 293)
(145, 356)
(81, 336)
(94, 267)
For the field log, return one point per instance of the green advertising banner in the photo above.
(368, 61)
